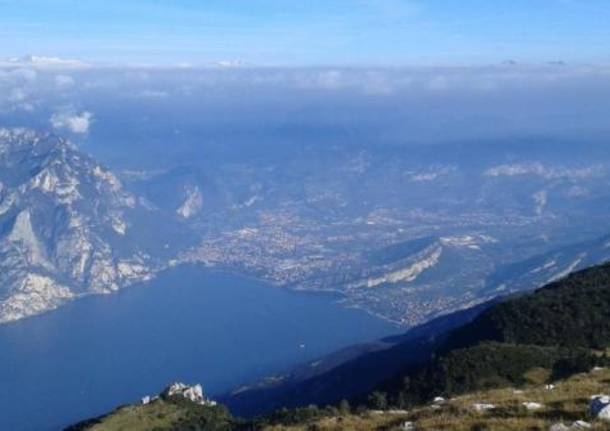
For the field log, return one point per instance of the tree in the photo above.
(344, 408)
(378, 400)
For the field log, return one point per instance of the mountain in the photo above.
(562, 327)
(528, 362)
(68, 228)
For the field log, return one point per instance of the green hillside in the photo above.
(572, 312)
(563, 327)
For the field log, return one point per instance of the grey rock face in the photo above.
(64, 226)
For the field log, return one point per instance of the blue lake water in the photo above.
(190, 324)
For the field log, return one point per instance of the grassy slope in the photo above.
(568, 402)
(135, 418)
(164, 414)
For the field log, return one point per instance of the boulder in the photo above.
(532, 406)
(482, 407)
(600, 407)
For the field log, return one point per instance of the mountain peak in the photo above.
(61, 217)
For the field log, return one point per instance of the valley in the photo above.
(402, 242)
(403, 235)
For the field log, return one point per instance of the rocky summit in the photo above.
(64, 221)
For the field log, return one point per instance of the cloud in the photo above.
(539, 170)
(409, 103)
(415, 80)
(17, 90)
(231, 63)
(64, 81)
(75, 123)
(17, 95)
(329, 79)
(541, 200)
(42, 62)
(153, 94)
(15, 75)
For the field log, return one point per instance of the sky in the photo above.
(308, 33)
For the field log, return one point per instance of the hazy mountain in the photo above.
(407, 234)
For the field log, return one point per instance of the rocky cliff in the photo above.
(65, 226)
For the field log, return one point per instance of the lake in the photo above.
(190, 324)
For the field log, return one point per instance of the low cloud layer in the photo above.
(403, 104)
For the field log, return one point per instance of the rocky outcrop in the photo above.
(193, 393)
(193, 203)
